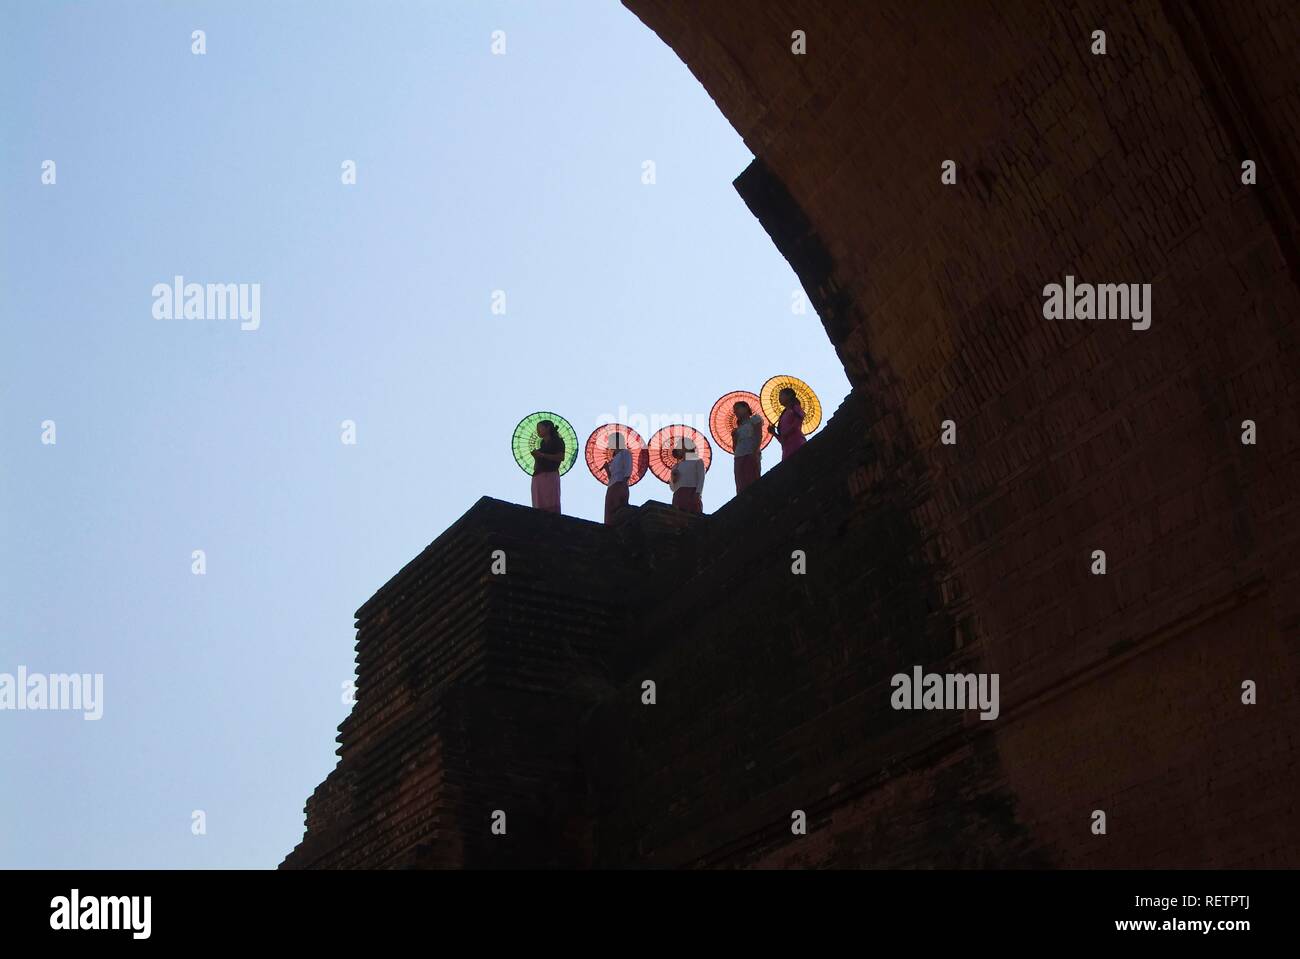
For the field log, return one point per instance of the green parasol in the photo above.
(526, 440)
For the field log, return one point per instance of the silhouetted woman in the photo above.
(546, 470)
(746, 443)
(789, 428)
(619, 471)
(687, 477)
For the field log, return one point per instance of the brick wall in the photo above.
(1072, 435)
(470, 688)
(1119, 692)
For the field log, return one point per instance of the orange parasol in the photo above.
(772, 408)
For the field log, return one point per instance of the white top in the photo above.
(689, 472)
(749, 435)
(620, 467)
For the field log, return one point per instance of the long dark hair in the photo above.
(551, 431)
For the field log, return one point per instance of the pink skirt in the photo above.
(748, 468)
(686, 498)
(615, 500)
(791, 443)
(546, 492)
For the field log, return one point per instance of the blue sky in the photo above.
(476, 172)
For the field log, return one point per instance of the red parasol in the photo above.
(602, 445)
(661, 447)
(722, 420)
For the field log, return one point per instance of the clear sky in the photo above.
(475, 172)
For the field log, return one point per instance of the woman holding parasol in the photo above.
(547, 458)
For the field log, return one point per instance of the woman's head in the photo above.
(742, 410)
(787, 397)
(545, 428)
(617, 441)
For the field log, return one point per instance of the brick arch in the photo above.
(1119, 692)
(1072, 436)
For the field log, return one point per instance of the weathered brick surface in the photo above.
(1073, 436)
(468, 685)
(472, 690)
(1119, 692)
